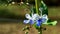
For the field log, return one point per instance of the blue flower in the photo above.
(31, 19)
(35, 18)
(42, 20)
(39, 22)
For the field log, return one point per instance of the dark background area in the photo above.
(17, 12)
(48, 2)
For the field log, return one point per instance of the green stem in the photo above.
(36, 4)
(41, 29)
(37, 10)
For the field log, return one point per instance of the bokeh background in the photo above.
(12, 16)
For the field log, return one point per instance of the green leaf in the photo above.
(51, 23)
(44, 7)
(33, 10)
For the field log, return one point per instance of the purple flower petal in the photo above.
(26, 21)
(43, 20)
(28, 16)
(39, 22)
(31, 22)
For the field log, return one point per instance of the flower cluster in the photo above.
(35, 18)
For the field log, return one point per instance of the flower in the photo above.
(42, 20)
(39, 22)
(31, 19)
(35, 18)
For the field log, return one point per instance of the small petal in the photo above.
(43, 20)
(28, 16)
(45, 16)
(35, 16)
(39, 22)
(26, 21)
(31, 22)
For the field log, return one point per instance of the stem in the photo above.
(41, 24)
(36, 4)
(37, 10)
(41, 29)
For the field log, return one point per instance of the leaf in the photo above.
(53, 23)
(44, 8)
